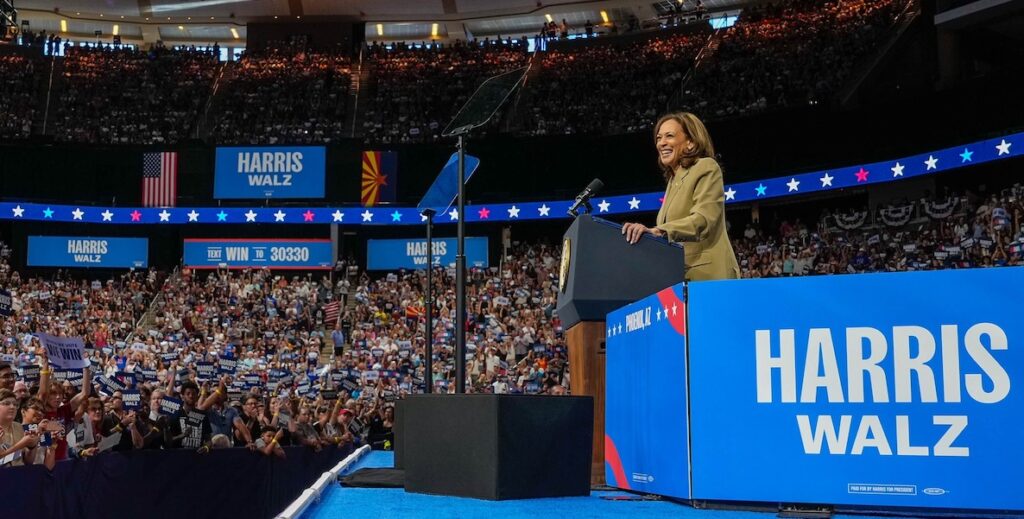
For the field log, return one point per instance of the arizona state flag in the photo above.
(380, 177)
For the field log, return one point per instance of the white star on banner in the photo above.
(18, 211)
(897, 170)
(367, 216)
(603, 206)
(619, 329)
(164, 216)
(453, 214)
(77, 213)
(543, 210)
(730, 194)
(513, 212)
(634, 203)
(107, 215)
(932, 163)
(193, 216)
(338, 215)
(674, 307)
(794, 185)
(658, 313)
(423, 217)
(1004, 147)
(279, 216)
(826, 180)
(250, 216)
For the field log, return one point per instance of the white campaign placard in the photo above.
(64, 352)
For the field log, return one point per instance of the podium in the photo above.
(600, 272)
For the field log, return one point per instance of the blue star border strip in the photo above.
(938, 161)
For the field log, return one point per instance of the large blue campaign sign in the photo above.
(412, 253)
(646, 435)
(82, 251)
(875, 389)
(277, 172)
(276, 254)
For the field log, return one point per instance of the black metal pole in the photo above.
(428, 376)
(460, 279)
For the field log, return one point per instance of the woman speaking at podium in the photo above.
(694, 208)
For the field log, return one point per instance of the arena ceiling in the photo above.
(208, 20)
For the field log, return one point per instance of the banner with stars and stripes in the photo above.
(938, 161)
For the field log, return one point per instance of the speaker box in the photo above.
(496, 446)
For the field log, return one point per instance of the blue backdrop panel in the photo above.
(645, 396)
(277, 254)
(277, 172)
(83, 251)
(875, 389)
(412, 253)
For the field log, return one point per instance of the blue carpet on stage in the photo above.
(339, 502)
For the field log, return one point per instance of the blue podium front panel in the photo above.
(646, 436)
(875, 389)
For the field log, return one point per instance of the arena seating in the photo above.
(609, 88)
(284, 94)
(19, 90)
(795, 53)
(125, 96)
(789, 54)
(415, 92)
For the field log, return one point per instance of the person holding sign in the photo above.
(189, 427)
(66, 412)
(693, 210)
(14, 442)
(44, 453)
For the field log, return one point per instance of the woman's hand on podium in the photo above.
(634, 231)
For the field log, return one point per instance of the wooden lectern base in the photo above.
(586, 373)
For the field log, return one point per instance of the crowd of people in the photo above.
(284, 93)
(790, 53)
(19, 90)
(416, 90)
(514, 340)
(777, 54)
(610, 88)
(223, 359)
(951, 230)
(258, 359)
(121, 95)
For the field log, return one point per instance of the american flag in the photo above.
(331, 311)
(159, 179)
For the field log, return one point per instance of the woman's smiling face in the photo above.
(671, 142)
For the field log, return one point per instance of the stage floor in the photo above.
(396, 503)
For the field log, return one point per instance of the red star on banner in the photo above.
(136, 215)
(862, 175)
(484, 213)
(308, 215)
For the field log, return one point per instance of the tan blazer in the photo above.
(694, 213)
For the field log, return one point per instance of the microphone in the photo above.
(584, 197)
